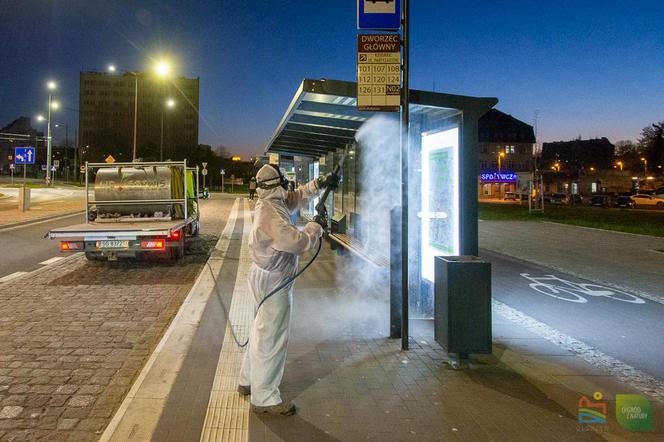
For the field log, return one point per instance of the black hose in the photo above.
(268, 296)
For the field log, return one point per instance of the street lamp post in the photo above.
(162, 69)
(501, 155)
(51, 87)
(645, 166)
(170, 103)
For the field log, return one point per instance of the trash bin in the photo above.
(462, 304)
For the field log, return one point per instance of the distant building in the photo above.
(505, 145)
(574, 155)
(20, 133)
(106, 119)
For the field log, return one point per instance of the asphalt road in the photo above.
(629, 331)
(24, 247)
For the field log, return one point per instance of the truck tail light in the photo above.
(175, 235)
(67, 246)
(153, 244)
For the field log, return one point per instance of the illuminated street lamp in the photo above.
(620, 164)
(645, 166)
(170, 104)
(162, 69)
(501, 155)
(50, 86)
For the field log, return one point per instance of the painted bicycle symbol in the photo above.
(555, 287)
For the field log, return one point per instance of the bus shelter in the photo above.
(322, 122)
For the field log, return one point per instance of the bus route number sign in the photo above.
(379, 72)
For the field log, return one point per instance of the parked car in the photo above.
(510, 196)
(524, 197)
(624, 202)
(576, 199)
(600, 201)
(643, 200)
(559, 198)
(547, 197)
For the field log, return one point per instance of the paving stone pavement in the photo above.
(74, 335)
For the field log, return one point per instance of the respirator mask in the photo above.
(272, 183)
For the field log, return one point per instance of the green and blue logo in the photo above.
(634, 412)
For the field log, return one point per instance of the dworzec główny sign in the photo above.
(378, 72)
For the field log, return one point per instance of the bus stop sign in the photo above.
(379, 14)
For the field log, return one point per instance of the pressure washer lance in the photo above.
(320, 218)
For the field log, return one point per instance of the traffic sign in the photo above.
(56, 163)
(53, 168)
(109, 159)
(379, 14)
(82, 169)
(204, 165)
(223, 171)
(11, 166)
(25, 155)
(204, 172)
(378, 72)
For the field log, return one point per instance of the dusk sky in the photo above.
(589, 71)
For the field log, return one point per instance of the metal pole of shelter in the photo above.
(404, 179)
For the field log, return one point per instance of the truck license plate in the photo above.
(112, 244)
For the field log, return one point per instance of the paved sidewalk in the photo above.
(587, 253)
(75, 334)
(352, 383)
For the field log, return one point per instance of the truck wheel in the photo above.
(195, 229)
(178, 251)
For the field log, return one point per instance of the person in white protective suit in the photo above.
(274, 246)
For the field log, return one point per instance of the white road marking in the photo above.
(52, 260)
(12, 276)
(624, 372)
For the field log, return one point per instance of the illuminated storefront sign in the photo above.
(507, 177)
(440, 197)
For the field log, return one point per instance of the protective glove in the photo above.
(320, 221)
(330, 180)
(313, 228)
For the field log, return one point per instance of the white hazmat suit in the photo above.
(274, 246)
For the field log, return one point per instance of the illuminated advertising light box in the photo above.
(440, 197)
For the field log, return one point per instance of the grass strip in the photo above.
(644, 222)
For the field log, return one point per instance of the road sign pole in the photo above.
(11, 169)
(404, 177)
(25, 168)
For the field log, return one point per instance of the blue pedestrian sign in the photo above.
(24, 155)
(379, 14)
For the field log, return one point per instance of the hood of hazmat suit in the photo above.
(274, 246)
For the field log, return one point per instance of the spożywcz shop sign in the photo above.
(507, 177)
